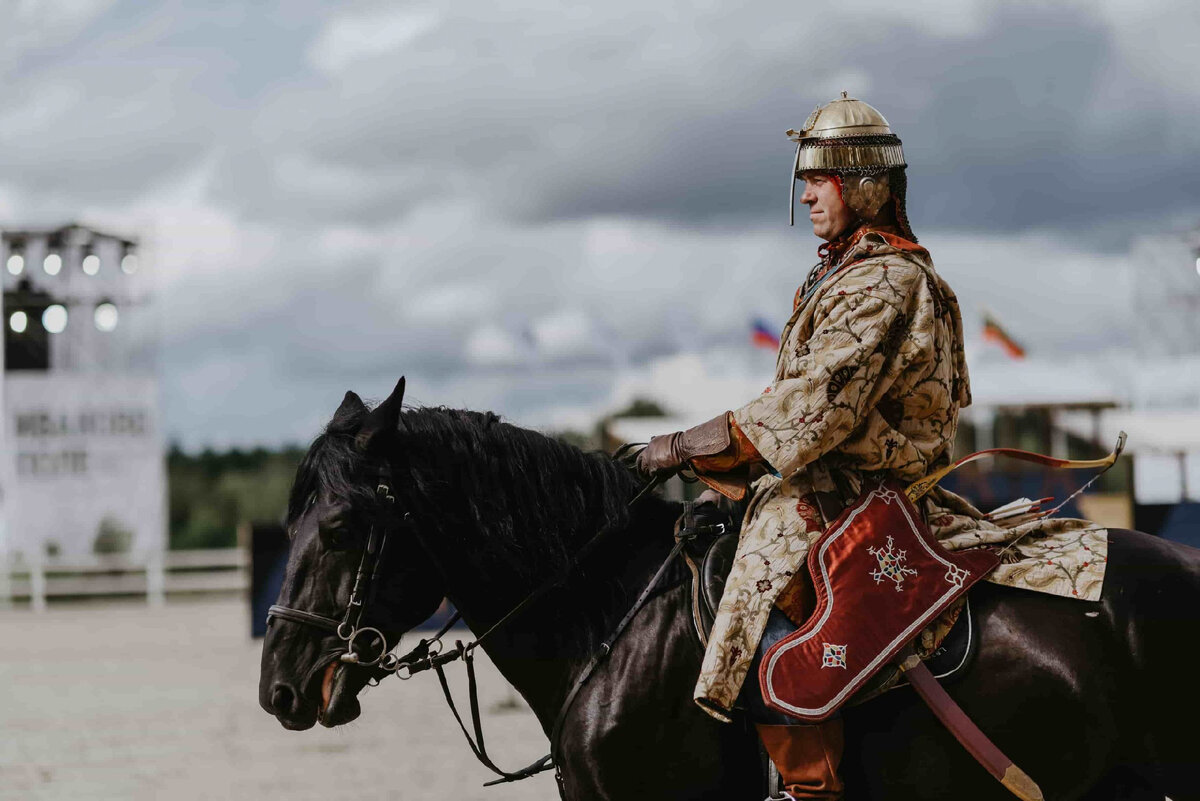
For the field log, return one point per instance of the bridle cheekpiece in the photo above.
(350, 629)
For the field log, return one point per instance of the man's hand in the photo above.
(667, 454)
(662, 457)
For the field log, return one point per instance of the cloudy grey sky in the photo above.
(546, 208)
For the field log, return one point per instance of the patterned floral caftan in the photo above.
(869, 381)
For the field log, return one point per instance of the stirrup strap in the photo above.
(775, 791)
(920, 487)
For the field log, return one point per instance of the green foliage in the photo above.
(638, 407)
(112, 537)
(581, 440)
(212, 492)
(641, 407)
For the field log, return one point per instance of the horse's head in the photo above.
(342, 523)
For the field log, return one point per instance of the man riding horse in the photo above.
(869, 382)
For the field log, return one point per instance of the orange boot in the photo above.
(807, 757)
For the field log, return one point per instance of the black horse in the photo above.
(1094, 700)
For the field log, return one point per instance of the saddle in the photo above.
(947, 646)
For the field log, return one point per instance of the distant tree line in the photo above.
(598, 438)
(213, 491)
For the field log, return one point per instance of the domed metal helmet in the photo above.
(849, 138)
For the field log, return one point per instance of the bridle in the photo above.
(350, 629)
(425, 657)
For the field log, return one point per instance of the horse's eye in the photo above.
(311, 500)
(333, 537)
(334, 533)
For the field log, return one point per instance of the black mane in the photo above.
(332, 464)
(537, 498)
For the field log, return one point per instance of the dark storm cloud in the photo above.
(1030, 116)
(1021, 124)
(102, 101)
(518, 205)
(1034, 118)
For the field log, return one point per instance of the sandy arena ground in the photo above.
(120, 701)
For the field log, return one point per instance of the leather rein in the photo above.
(428, 653)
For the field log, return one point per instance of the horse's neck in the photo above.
(541, 649)
(513, 508)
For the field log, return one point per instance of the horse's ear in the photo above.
(383, 420)
(350, 404)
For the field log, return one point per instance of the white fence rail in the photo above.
(198, 571)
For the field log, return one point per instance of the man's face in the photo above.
(829, 214)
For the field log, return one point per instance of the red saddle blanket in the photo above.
(880, 577)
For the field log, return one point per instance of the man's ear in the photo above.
(382, 422)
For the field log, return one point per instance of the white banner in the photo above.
(85, 459)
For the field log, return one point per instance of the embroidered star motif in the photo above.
(891, 565)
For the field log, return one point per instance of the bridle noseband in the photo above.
(350, 629)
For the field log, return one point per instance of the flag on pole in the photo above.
(994, 333)
(761, 335)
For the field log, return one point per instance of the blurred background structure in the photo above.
(81, 464)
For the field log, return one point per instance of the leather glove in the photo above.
(667, 454)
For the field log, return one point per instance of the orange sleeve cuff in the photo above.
(746, 450)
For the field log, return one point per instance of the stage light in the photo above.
(105, 317)
(18, 321)
(16, 264)
(91, 264)
(129, 263)
(52, 264)
(54, 319)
